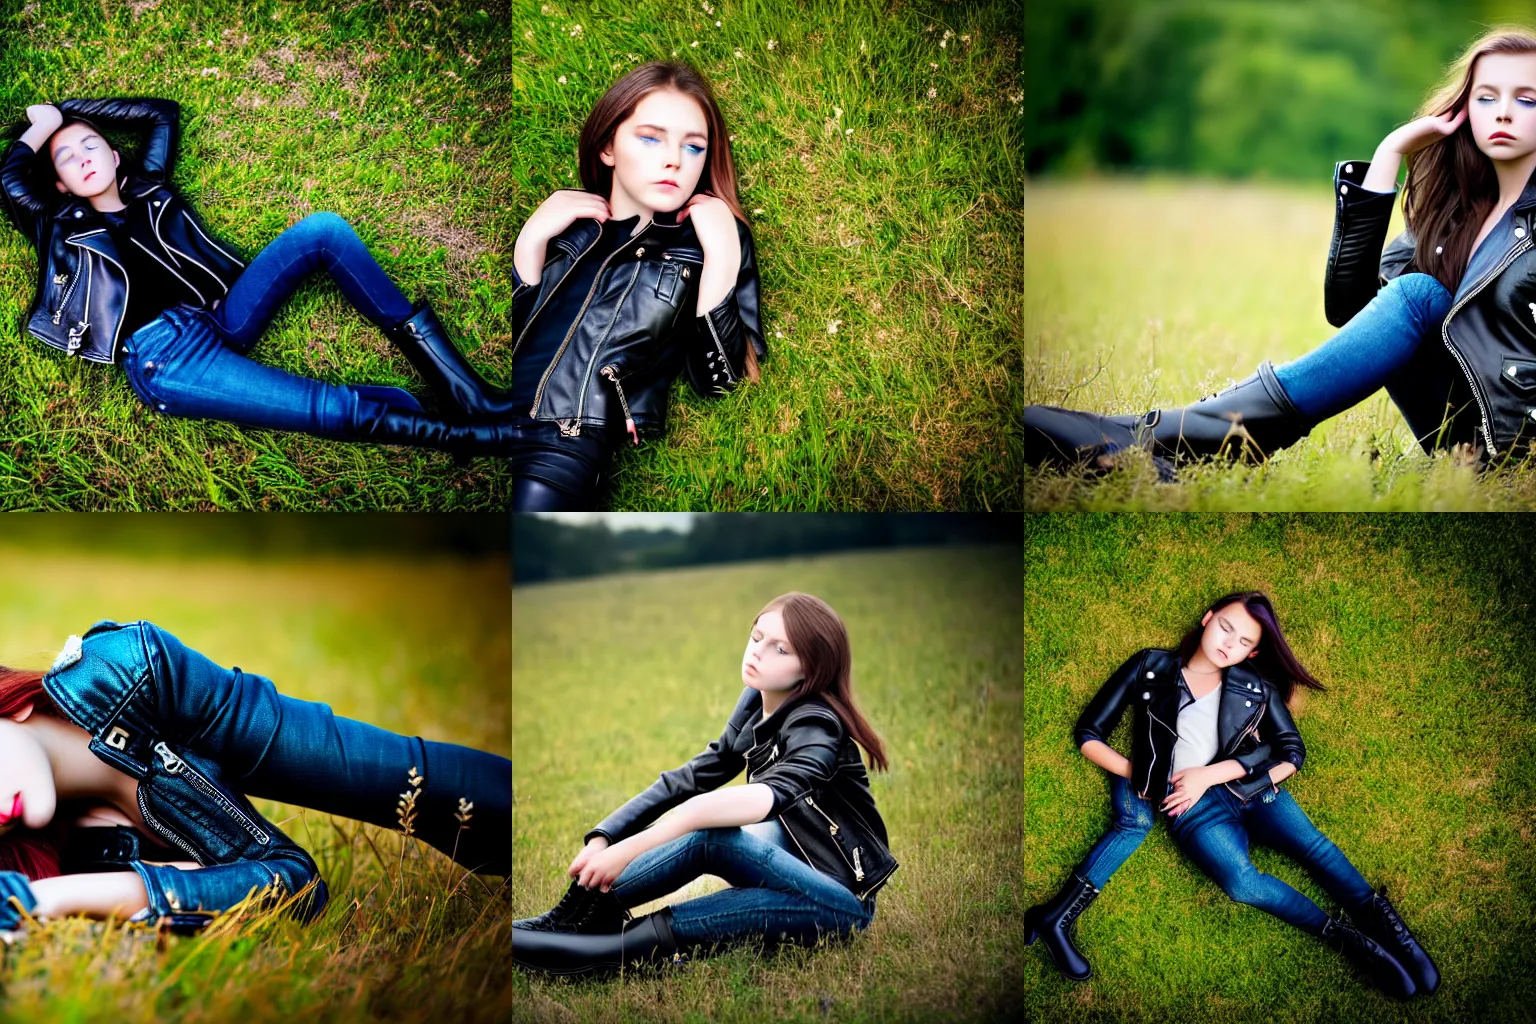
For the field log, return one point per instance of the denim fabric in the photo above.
(1215, 834)
(201, 739)
(191, 362)
(1395, 343)
(775, 896)
(1133, 819)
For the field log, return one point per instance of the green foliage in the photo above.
(391, 114)
(881, 174)
(936, 665)
(1419, 757)
(417, 647)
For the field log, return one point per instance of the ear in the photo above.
(117, 158)
(24, 713)
(606, 154)
(1253, 653)
(60, 185)
(1206, 621)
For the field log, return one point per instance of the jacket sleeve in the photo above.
(809, 740)
(1099, 718)
(1281, 744)
(25, 208)
(715, 344)
(286, 872)
(161, 118)
(1360, 221)
(711, 768)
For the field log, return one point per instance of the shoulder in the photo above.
(748, 704)
(814, 714)
(1243, 674)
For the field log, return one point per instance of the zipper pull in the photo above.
(858, 869)
(775, 750)
(173, 764)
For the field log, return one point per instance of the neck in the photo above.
(1513, 176)
(78, 773)
(773, 700)
(1201, 664)
(109, 201)
(624, 207)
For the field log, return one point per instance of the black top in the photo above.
(152, 289)
(563, 307)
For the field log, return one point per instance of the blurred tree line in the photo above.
(1277, 89)
(544, 549)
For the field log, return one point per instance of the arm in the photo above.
(1099, 718)
(101, 894)
(159, 117)
(1108, 758)
(1361, 218)
(25, 206)
(727, 317)
(738, 805)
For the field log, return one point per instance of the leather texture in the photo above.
(82, 284)
(1491, 332)
(643, 941)
(1253, 726)
(639, 329)
(1053, 923)
(821, 794)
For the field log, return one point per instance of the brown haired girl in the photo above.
(647, 271)
(1445, 322)
(802, 844)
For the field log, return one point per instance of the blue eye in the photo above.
(697, 149)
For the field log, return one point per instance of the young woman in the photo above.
(646, 272)
(1445, 323)
(1211, 742)
(126, 273)
(130, 763)
(802, 844)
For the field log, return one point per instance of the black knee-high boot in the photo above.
(1052, 923)
(645, 940)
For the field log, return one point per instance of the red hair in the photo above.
(33, 852)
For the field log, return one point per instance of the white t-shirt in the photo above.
(1197, 732)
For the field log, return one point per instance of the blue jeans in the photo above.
(1395, 343)
(1215, 833)
(1133, 819)
(774, 896)
(191, 362)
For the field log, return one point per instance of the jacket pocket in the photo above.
(1519, 373)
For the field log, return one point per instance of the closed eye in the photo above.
(693, 147)
(1528, 100)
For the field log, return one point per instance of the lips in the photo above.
(16, 809)
(669, 184)
(87, 177)
(1501, 135)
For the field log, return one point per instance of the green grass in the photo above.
(420, 648)
(391, 114)
(936, 666)
(1150, 294)
(1419, 758)
(905, 233)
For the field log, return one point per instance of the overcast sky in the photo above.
(682, 522)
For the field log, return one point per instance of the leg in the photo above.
(1282, 825)
(298, 751)
(1133, 819)
(532, 495)
(1370, 350)
(320, 241)
(775, 894)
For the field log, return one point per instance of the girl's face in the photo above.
(665, 140)
(1231, 635)
(85, 164)
(1503, 99)
(769, 662)
(27, 793)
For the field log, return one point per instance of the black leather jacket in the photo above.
(82, 285)
(820, 789)
(638, 328)
(1253, 726)
(1491, 331)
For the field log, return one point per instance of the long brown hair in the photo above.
(619, 102)
(1451, 186)
(818, 635)
(33, 852)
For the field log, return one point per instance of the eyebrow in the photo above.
(659, 128)
(1228, 623)
(83, 138)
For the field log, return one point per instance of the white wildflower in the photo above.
(932, 93)
(717, 24)
(738, 53)
(756, 212)
(943, 44)
(772, 43)
(210, 71)
(833, 325)
(948, 34)
(694, 43)
(778, 334)
(848, 131)
(837, 112)
(965, 38)
(933, 65)
(561, 79)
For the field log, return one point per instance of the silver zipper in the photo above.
(538, 395)
(77, 332)
(858, 869)
(725, 364)
(1445, 332)
(612, 373)
(172, 837)
(127, 288)
(597, 350)
(833, 826)
(772, 756)
(176, 766)
(540, 307)
(59, 313)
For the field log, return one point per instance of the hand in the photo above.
(604, 867)
(1189, 784)
(45, 114)
(1417, 134)
(14, 883)
(592, 849)
(556, 213)
(714, 223)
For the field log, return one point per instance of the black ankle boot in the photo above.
(1052, 923)
(1379, 920)
(462, 394)
(1366, 953)
(588, 911)
(646, 940)
(1252, 418)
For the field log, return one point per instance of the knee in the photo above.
(1424, 290)
(1136, 820)
(1244, 887)
(327, 223)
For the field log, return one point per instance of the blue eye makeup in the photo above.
(693, 148)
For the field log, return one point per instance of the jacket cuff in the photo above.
(1260, 755)
(1348, 183)
(724, 337)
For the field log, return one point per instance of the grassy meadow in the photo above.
(878, 152)
(1419, 758)
(1150, 294)
(419, 647)
(599, 713)
(391, 114)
